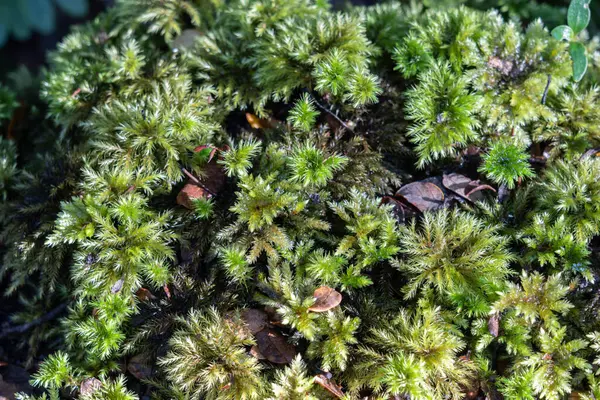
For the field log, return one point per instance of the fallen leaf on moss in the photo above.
(473, 193)
(257, 123)
(424, 196)
(144, 294)
(326, 298)
(328, 384)
(465, 187)
(189, 193)
(255, 352)
(255, 320)
(139, 367)
(273, 346)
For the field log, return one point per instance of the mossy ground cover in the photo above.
(269, 199)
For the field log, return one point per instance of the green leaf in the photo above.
(3, 35)
(40, 14)
(578, 16)
(580, 62)
(75, 8)
(562, 32)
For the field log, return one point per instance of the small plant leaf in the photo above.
(580, 62)
(578, 15)
(422, 195)
(326, 298)
(273, 346)
(75, 8)
(562, 32)
(41, 16)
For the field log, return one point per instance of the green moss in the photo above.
(210, 189)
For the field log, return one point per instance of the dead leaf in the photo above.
(474, 194)
(403, 212)
(189, 193)
(167, 291)
(273, 346)
(140, 367)
(422, 195)
(465, 187)
(326, 298)
(144, 294)
(457, 183)
(255, 352)
(257, 123)
(255, 320)
(213, 177)
(328, 384)
(89, 386)
(493, 325)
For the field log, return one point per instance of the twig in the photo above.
(546, 89)
(38, 321)
(197, 182)
(328, 111)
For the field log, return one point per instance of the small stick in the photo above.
(322, 107)
(38, 321)
(196, 181)
(546, 89)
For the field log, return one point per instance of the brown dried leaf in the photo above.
(402, 211)
(189, 193)
(140, 367)
(422, 195)
(89, 386)
(326, 298)
(457, 183)
(273, 346)
(465, 187)
(255, 352)
(328, 384)
(255, 320)
(257, 123)
(493, 325)
(144, 294)
(475, 193)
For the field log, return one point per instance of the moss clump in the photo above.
(269, 199)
